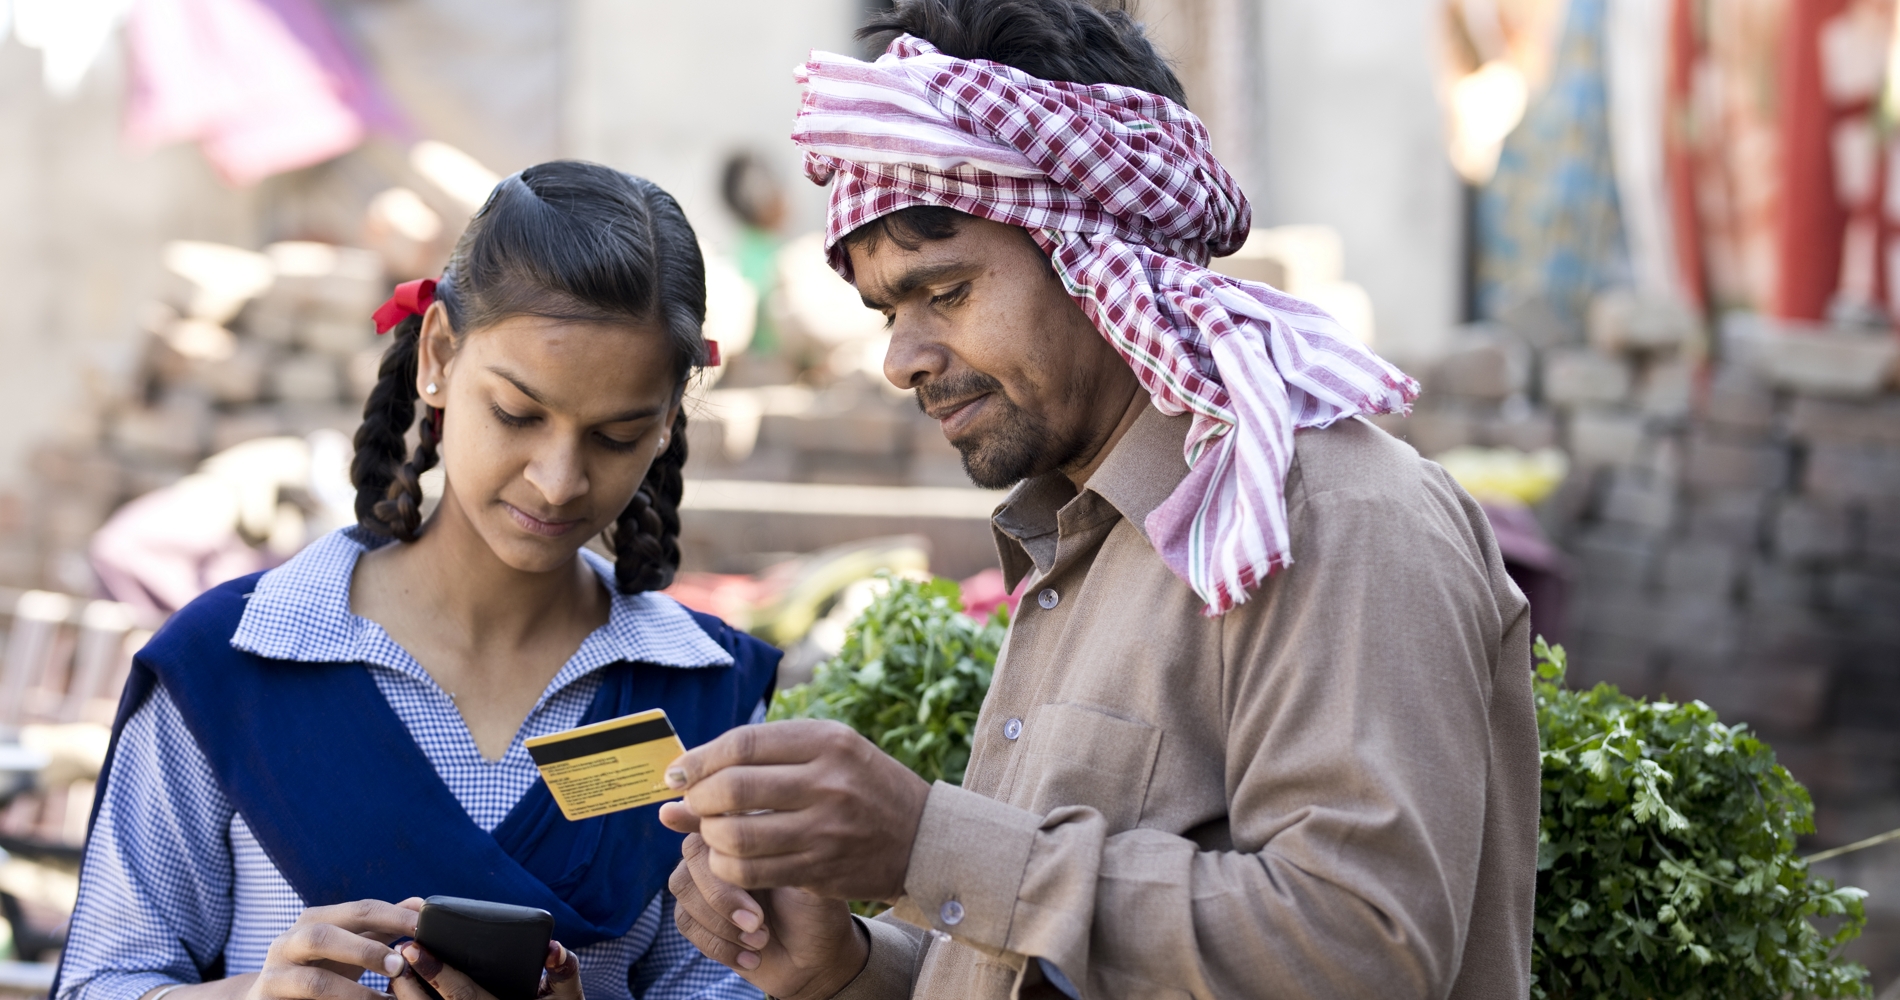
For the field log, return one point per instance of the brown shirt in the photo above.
(1332, 791)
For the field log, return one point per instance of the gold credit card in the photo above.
(608, 766)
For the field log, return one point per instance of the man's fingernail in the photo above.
(755, 939)
(676, 778)
(748, 961)
(392, 965)
(746, 920)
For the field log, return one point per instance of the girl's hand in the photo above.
(323, 953)
(560, 981)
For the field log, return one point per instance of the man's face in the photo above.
(1000, 356)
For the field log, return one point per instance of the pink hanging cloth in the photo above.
(263, 86)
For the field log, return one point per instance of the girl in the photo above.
(300, 755)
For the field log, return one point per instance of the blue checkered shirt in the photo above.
(173, 876)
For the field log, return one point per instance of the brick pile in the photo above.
(1734, 535)
(298, 356)
(1733, 522)
(1732, 526)
(849, 431)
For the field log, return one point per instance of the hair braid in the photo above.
(389, 482)
(646, 535)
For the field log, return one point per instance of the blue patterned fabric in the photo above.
(176, 883)
(1549, 225)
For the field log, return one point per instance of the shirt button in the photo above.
(1012, 729)
(952, 913)
(1048, 598)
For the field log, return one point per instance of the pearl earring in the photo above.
(430, 388)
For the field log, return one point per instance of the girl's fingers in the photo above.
(307, 982)
(365, 916)
(562, 980)
(310, 943)
(321, 956)
(448, 982)
(408, 987)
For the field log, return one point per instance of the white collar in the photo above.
(300, 611)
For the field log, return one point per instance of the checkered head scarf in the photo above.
(1121, 189)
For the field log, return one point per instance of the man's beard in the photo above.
(1020, 446)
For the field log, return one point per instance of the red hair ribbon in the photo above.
(712, 353)
(411, 298)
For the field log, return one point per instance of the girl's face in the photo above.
(548, 428)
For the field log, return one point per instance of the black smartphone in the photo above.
(503, 948)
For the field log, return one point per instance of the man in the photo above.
(1264, 725)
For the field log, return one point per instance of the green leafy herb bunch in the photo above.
(911, 677)
(1666, 864)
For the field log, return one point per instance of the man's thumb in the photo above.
(679, 817)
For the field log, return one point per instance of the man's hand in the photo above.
(799, 946)
(805, 803)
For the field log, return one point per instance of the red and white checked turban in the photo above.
(1121, 189)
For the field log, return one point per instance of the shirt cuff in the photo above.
(889, 971)
(967, 865)
(117, 986)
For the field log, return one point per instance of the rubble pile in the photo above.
(244, 345)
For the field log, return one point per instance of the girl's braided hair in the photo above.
(566, 240)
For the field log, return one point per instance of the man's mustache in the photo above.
(953, 388)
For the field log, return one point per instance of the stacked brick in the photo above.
(1744, 552)
(1733, 525)
(851, 431)
(300, 354)
(297, 357)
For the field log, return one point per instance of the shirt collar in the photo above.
(1138, 475)
(300, 611)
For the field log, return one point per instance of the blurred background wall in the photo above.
(1346, 132)
(668, 93)
(1325, 111)
(83, 222)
